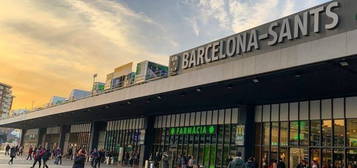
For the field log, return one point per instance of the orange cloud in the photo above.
(48, 48)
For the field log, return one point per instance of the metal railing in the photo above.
(137, 81)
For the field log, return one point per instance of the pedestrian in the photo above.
(101, 157)
(58, 156)
(94, 157)
(29, 156)
(7, 149)
(79, 159)
(21, 150)
(38, 153)
(314, 164)
(302, 164)
(165, 160)
(45, 157)
(251, 162)
(237, 162)
(273, 164)
(281, 164)
(12, 155)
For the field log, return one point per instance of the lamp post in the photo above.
(94, 76)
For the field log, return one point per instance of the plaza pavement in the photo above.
(21, 162)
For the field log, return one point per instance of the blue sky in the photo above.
(48, 47)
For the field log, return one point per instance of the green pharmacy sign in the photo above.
(195, 130)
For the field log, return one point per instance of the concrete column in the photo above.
(147, 148)
(41, 137)
(64, 129)
(96, 127)
(247, 117)
(23, 132)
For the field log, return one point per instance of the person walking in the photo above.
(58, 156)
(281, 164)
(101, 157)
(165, 160)
(46, 156)
(7, 149)
(29, 156)
(80, 158)
(38, 157)
(251, 163)
(237, 162)
(21, 150)
(94, 157)
(12, 155)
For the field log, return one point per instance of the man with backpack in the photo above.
(237, 162)
(38, 157)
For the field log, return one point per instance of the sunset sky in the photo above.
(49, 47)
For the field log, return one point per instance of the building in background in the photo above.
(147, 70)
(57, 100)
(98, 87)
(78, 94)
(6, 98)
(18, 112)
(122, 76)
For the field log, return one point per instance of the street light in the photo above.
(94, 76)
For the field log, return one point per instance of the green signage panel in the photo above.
(195, 130)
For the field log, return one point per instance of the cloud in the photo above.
(240, 15)
(51, 47)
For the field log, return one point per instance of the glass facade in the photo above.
(79, 136)
(211, 137)
(123, 139)
(318, 132)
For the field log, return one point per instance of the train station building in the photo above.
(283, 90)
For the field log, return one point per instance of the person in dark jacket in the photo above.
(45, 157)
(12, 155)
(101, 157)
(281, 164)
(94, 156)
(251, 163)
(79, 159)
(7, 149)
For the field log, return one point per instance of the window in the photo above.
(304, 133)
(326, 133)
(275, 133)
(266, 133)
(339, 132)
(327, 158)
(315, 157)
(315, 136)
(284, 129)
(339, 161)
(258, 133)
(351, 158)
(294, 133)
(352, 132)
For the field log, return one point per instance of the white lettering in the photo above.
(301, 25)
(332, 15)
(253, 41)
(185, 60)
(273, 34)
(316, 13)
(215, 51)
(285, 31)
